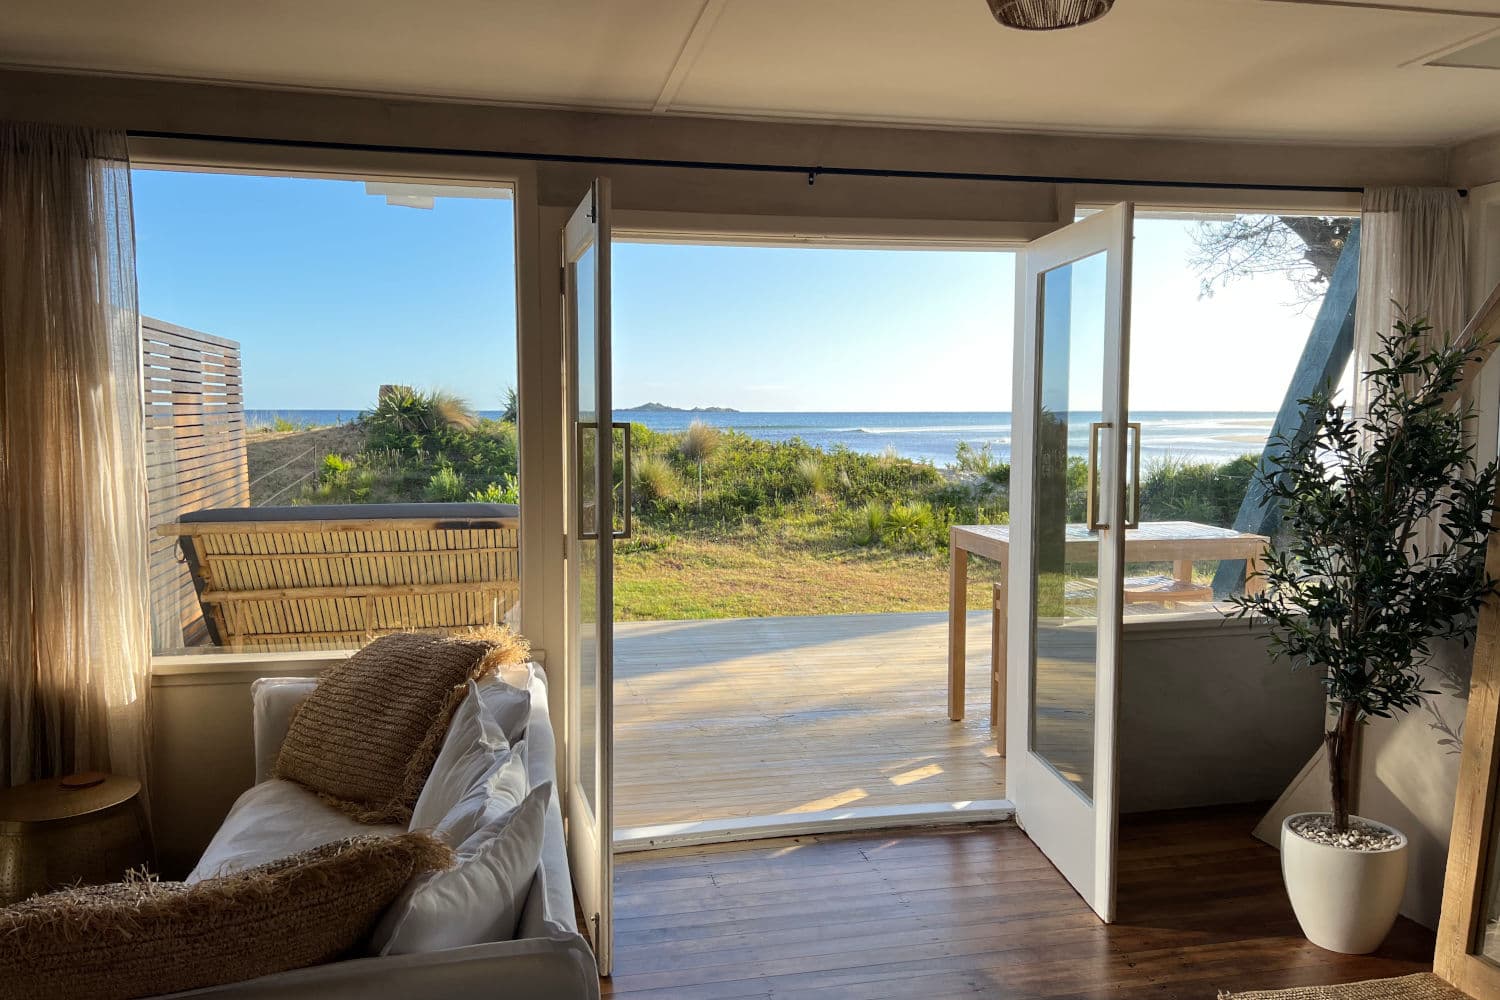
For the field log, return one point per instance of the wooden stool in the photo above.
(88, 828)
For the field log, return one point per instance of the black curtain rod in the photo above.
(812, 173)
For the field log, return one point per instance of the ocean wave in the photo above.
(946, 429)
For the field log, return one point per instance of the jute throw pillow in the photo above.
(366, 738)
(141, 937)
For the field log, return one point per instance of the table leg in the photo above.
(1182, 570)
(958, 608)
(1253, 583)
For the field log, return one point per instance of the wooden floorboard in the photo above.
(726, 719)
(973, 912)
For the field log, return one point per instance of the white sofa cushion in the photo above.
(275, 700)
(272, 820)
(473, 747)
(478, 801)
(480, 898)
(507, 699)
(490, 799)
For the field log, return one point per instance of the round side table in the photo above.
(88, 828)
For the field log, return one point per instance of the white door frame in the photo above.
(590, 828)
(1076, 832)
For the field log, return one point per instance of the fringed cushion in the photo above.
(142, 938)
(366, 738)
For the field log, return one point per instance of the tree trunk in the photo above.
(1342, 742)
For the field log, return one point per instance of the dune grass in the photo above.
(726, 525)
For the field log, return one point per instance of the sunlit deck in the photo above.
(725, 719)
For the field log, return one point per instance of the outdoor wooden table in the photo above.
(1177, 542)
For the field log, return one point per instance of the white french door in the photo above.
(1066, 572)
(591, 518)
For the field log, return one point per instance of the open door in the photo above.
(588, 803)
(1067, 565)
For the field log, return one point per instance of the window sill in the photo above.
(228, 666)
(233, 667)
(1195, 624)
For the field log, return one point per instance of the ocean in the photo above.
(933, 437)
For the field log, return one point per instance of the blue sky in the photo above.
(332, 292)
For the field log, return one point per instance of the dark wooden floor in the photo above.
(974, 912)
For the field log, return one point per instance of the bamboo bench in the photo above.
(331, 577)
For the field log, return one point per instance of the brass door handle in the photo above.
(1133, 519)
(1091, 497)
(627, 494)
(587, 514)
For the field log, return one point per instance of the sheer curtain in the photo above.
(74, 620)
(1412, 265)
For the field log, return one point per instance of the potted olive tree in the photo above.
(1385, 523)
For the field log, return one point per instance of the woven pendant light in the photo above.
(1046, 15)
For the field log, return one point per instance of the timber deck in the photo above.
(726, 719)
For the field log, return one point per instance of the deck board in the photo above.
(726, 719)
(973, 912)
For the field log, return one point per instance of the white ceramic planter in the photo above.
(1346, 901)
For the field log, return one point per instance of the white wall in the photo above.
(1207, 719)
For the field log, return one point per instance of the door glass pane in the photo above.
(1066, 568)
(587, 478)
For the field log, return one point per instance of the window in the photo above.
(1223, 311)
(313, 347)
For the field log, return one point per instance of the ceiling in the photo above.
(1316, 70)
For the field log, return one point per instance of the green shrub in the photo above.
(281, 425)
(445, 486)
(335, 467)
(508, 491)
(909, 525)
(410, 420)
(655, 480)
(978, 463)
(813, 474)
(1173, 489)
(699, 442)
(869, 524)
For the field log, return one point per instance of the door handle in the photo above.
(586, 514)
(627, 493)
(1091, 497)
(1133, 519)
(584, 532)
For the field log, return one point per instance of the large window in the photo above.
(1222, 312)
(330, 371)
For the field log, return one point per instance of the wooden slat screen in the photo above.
(195, 458)
(333, 584)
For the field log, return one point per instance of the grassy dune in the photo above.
(726, 525)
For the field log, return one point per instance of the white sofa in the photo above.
(547, 960)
